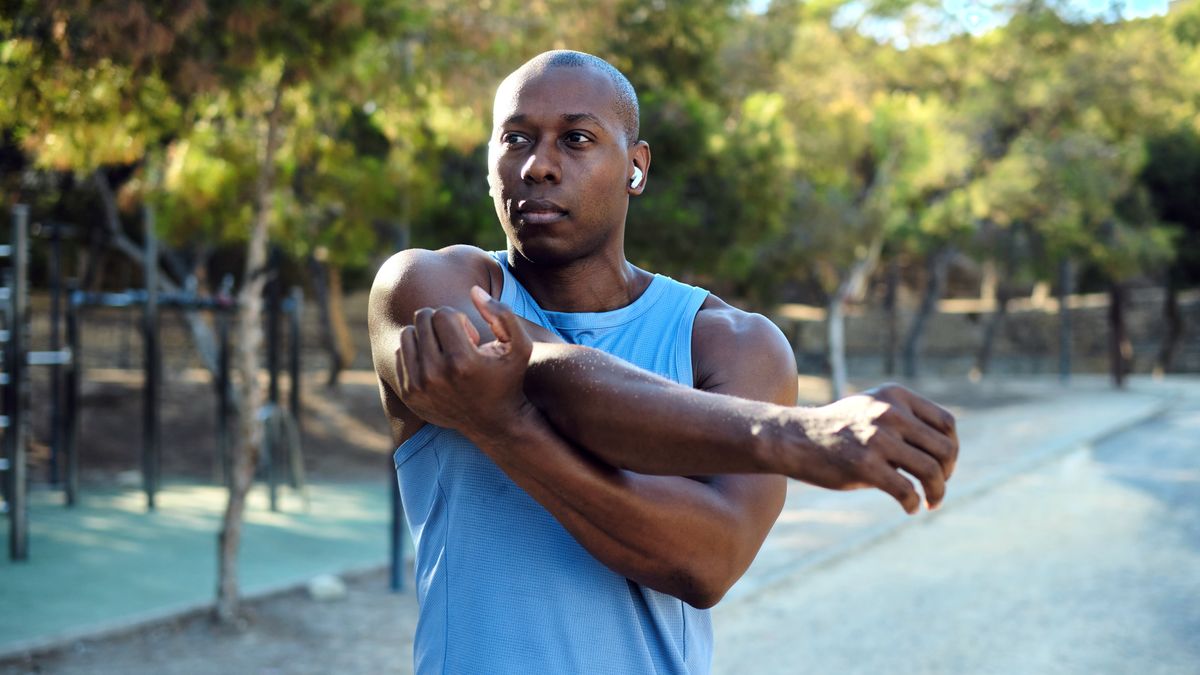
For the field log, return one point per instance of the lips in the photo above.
(540, 211)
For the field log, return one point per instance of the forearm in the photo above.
(674, 535)
(635, 420)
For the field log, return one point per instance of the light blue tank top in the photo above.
(502, 587)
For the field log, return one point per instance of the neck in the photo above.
(592, 284)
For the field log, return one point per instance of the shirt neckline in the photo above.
(592, 320)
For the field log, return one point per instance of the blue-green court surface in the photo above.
(108, 562)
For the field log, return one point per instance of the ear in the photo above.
(639, 158)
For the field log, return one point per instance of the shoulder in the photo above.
(416, 278)
(721, 325)
(734, 351)
(415, 265)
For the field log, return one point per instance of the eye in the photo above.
(577, 138)
(513, 138)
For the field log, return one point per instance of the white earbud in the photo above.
(637, 178)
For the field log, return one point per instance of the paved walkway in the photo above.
(1085, 564)
(109, 564)
(1036, 420)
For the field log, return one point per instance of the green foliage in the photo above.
(1171, 175)
(786, 146)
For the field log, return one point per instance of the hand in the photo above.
(867, 439)
(447, 378)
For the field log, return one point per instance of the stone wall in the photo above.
(1026, 343)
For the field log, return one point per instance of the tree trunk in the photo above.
(1119, 349)
(851, 288)
(91, 260)
(335, 333)
(1065, 284)
(249, 339)
(835, 319)
(995, 321)
(893, 324)
(933, 293)
(201, 332)
(1174, 327)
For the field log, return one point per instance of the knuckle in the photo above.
(867, 463)
(889, 390)
(888, 413)
(420, 381)
(926, 468)
(456, 366)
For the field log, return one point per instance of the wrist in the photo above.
(514, 427)
(788, 448)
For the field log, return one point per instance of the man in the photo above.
(590, 455)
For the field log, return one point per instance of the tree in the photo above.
(204, 90)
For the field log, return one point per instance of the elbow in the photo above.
(706, 595)
(701, 588)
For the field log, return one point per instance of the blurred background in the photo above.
(865, 157)
(993, 201)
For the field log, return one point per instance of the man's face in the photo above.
(559, 165)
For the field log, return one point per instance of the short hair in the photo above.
(627, 100)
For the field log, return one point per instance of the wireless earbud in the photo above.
(637, 178)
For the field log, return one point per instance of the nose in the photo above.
(542, 165)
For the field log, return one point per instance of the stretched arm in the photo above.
(861, 441)
(636, 420)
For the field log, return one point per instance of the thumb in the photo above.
(503, 322)
(491, 311)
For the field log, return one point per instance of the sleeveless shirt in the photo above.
(502, 586)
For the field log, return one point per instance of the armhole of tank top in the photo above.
(683, 345)
(500, 258)
(415, 442)
(510, 291)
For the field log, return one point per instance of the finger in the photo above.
(941, 420)
(470, 329)
(923, 467)
(890, 481)
(448, 327)
(934, 415)
(487, 307)
(427, 344)
(940, 446)
(408, 359)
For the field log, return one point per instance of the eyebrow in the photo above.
(579, 117)
(570, 118)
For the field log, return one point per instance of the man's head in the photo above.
(563, 151)
(625, 101)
